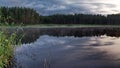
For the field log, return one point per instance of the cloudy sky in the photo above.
(47, 7)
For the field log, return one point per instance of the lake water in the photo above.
(69, 52)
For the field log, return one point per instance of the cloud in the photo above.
(47, 7)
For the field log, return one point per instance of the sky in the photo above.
(48, 7)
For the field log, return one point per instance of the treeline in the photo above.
(18, 15)
(21, 15)
(76, 19)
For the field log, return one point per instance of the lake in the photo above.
(69, 52)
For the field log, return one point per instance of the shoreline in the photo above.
(32, 33)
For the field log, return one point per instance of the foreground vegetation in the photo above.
(7, 44)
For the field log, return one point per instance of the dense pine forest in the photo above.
(22, 15)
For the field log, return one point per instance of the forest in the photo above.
(27, 16)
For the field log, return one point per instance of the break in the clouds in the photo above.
(47, 7)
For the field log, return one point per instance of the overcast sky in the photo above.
(47, 7)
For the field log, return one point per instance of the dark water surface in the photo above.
(69, 52)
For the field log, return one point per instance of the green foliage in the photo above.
(28, 16)
(19, 15)
(11, 24)
(7, 44)
(0, 14)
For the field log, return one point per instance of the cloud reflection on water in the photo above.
(70, 52)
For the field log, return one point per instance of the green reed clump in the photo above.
(7, 44)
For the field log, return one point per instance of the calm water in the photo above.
(69, 52)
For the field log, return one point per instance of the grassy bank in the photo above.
(65, 25)
(7, 44)
(55, 25)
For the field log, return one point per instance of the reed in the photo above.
(7, 45)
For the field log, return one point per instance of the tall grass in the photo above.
(7, 44)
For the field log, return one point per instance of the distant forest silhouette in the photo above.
(18, 15)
